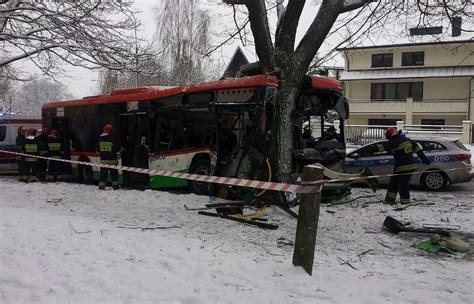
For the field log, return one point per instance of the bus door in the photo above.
(134, 137)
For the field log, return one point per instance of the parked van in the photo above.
(9, 123)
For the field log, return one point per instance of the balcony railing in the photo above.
(465, 100)
(450, 106)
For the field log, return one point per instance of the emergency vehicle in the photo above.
(9, 124)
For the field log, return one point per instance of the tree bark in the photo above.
(281, 139)
(261, 32)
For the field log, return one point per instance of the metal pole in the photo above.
(136, 53)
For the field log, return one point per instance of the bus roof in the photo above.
(325, 83)
(153, 92)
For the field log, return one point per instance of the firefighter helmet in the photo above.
(46, 131)
(390, 132)
(55, 133)
(108, 129)
(31, 132)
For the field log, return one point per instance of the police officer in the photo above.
(402, 148)
(108, 148)
(20, 147)
(31, 148)
(43, 151)
(56, 151)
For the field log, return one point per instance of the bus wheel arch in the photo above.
(434, 180)
(85, 172)
(201, 164)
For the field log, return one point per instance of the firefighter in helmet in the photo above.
(20, 147)
(55, 151)
(31, 148)
(108, 148)
(402, 149)
(43, 151)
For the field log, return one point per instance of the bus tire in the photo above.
(85, 172)
(200, 166)
(434, 180)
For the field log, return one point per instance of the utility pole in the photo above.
(136, 52)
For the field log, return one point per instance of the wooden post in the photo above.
(308, 217)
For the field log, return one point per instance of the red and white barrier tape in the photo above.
(304, 187)
(346, 179)
(240, 182)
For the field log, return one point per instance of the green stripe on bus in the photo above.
(158, 182)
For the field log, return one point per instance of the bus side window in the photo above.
(177, 140)
(164, 144)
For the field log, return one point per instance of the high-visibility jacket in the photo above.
(402, 149)
(55, 147)
(31, 148)
(108, 147)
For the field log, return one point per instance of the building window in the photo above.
(393, 91)
(413, 58)
(383, 121)
(382, 60)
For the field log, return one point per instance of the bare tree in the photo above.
(183, 37)
(110, 80)
(90, 34)
(7, 94)
(281, 54)
(32, 94)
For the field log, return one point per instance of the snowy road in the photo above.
(71, 243)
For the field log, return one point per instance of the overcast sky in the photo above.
(83, 82)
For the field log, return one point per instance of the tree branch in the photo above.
(287, 26)
(261, 33)
(351, 5)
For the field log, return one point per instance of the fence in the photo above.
(364, 134)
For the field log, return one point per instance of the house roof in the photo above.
(426, 72)
(384, 46)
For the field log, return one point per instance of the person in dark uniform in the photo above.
(108, 147)
(140, 160)
(43, 151)
(31, 148)
(20, 147)
(55, 150)
(402, 148)
(331, 134)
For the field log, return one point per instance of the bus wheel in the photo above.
(85, 174)
(201, 167)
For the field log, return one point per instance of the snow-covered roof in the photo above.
(403, 43)
(425, 72)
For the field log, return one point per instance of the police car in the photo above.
(444, 154)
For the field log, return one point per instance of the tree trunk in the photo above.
(283, 124)
(281, 139)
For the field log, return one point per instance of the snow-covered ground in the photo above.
(71, 243)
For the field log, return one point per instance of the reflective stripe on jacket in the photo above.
(108, 148)
(402, 149)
